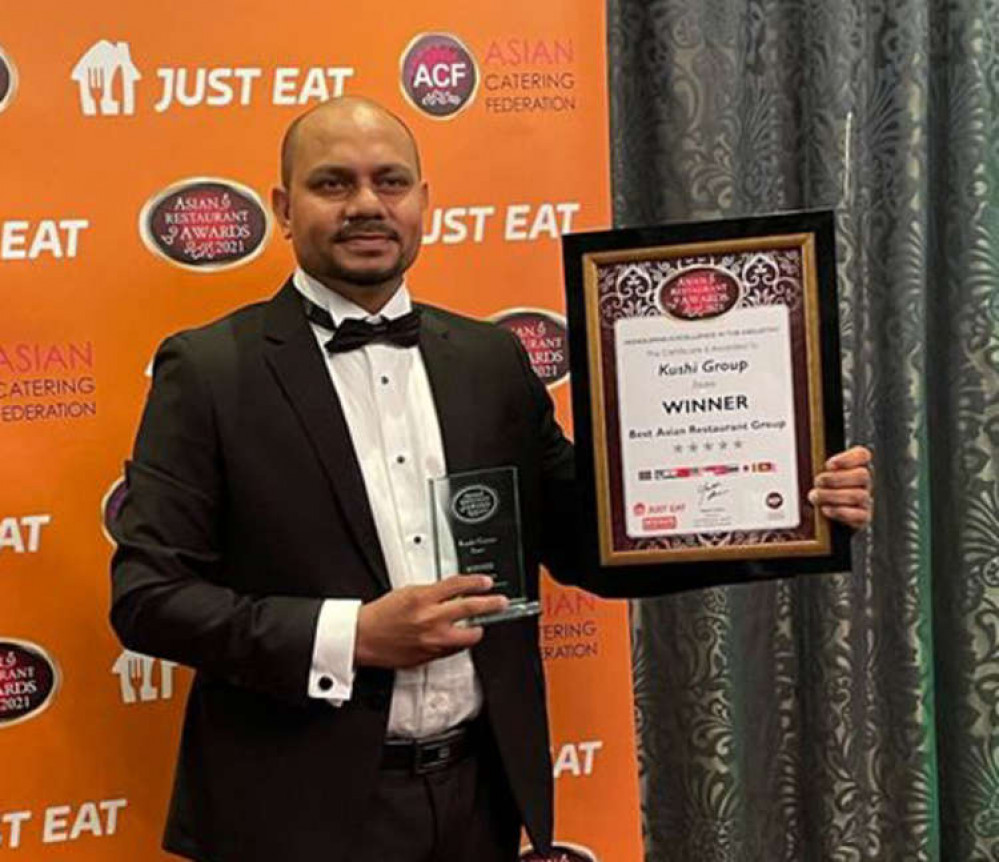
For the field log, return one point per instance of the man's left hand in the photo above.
(843, 491)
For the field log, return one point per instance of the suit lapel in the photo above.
(291, 352)
(450, 391)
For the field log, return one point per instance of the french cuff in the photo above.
(331, 676)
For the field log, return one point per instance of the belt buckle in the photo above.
(429, 757)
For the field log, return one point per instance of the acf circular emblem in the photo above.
(205, 224)
(560, 852)
(699, 293)
(438, 75)
(545, 338)
(474, 504)
(8, 80)
(29, 680)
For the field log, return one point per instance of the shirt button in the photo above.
(417, 540)
(385, 380)
(325, 683)
(400, 459)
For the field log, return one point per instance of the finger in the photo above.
(856, 498)
(444, 641)
(462, 637)
(856, 456)
(460, 609)
(858, 477)
(460, 585)
(852, 517)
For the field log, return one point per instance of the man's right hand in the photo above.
(413, 625)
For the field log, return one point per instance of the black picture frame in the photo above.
(581, 252)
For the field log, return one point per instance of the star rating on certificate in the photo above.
(722, 446)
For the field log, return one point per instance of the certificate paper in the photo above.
(706, 392)
(707, 423)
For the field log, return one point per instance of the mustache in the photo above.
(364, 228)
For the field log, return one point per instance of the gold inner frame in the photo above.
(822, 543)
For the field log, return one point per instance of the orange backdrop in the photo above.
(88, 140)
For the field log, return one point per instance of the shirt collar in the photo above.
(341, 308)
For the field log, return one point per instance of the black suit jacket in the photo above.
(246, 508)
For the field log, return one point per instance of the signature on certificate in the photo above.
(708, 492)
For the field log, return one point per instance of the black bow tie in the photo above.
(353, 333)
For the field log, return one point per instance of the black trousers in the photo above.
(462, 813)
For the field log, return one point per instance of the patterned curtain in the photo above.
(853, 716)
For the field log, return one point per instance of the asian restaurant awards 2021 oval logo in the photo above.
(205, 224)
(8, 80)
(29, 680)
(699, 292)
(475, 504)
(438, 75)
(545, 338)
(111, 505)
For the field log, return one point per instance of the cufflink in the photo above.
(325, 683)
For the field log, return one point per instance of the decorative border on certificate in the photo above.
(690, 286)
(703, 392)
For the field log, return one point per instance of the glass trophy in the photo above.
(476, 524)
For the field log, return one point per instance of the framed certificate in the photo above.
(706, 394)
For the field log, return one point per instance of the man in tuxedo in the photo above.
(276, 537)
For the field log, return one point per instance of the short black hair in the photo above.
(291, 134)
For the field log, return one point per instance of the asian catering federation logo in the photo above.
(205, 224)
(8, 81)
(29, 680)
(439, 75)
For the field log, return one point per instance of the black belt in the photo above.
(432, 752)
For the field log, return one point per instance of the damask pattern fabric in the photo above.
(852, 716)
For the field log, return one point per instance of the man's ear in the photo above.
(280, 206)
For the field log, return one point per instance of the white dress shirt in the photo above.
(389, 409)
